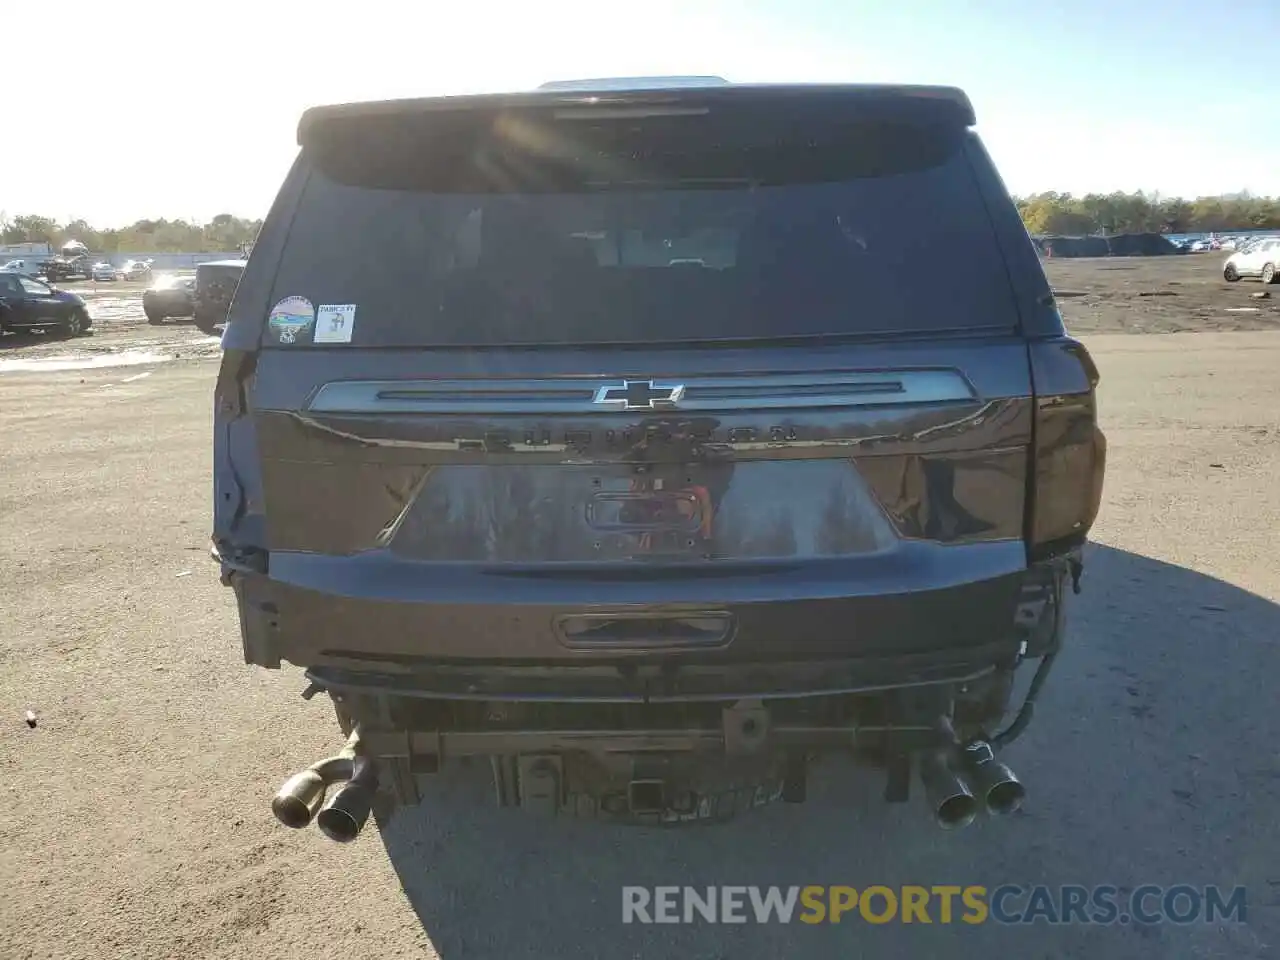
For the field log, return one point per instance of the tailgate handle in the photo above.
(644, 632)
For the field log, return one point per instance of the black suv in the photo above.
(651, 443)
(214, 288)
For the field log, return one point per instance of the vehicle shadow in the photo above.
(1151, 760)
(20, 339)
(14, 341)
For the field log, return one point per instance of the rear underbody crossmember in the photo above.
(659, 775)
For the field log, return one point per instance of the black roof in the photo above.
(709, 95)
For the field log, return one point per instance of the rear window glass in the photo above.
(645, 231)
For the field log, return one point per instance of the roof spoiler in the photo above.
(672, 92)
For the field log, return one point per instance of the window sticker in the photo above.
(335, 322)
(290, 317)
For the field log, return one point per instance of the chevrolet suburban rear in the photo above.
(651, 443)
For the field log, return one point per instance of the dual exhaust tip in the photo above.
(301, 799)
(960, 782)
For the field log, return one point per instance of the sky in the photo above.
(179, 109)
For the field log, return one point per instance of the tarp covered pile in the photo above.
(1119, 245)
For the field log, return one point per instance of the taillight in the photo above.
(1070, 451)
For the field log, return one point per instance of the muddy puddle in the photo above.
(113, 308)
(80, 356)
(125, 358)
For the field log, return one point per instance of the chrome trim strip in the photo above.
(579, 395)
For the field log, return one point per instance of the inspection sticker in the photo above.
(335, 322)
(291, 316)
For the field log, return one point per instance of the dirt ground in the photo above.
(136, 821)
(1160, 295)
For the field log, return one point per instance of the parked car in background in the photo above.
(136, 270)
(1261, 260)
(28, 267)
(29, 304)
(1248, 244)
(216, 283)
(169, 296)
(104, 271)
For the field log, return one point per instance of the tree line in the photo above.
(224, 233)
(1094, 213)
(1054, 213)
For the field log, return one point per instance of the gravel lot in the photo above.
(136, 813)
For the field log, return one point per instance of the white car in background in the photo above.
(1248, 243)
(1260, 259)
(104, 271)
(28, 268)
(136, 270)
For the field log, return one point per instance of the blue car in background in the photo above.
(29, 304)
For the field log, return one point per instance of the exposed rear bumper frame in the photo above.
(437, 745)
(688, 683)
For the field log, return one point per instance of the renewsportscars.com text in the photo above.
(1006, 904)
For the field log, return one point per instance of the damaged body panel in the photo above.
(639, 460)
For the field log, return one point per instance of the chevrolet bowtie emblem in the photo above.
(640, 395)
